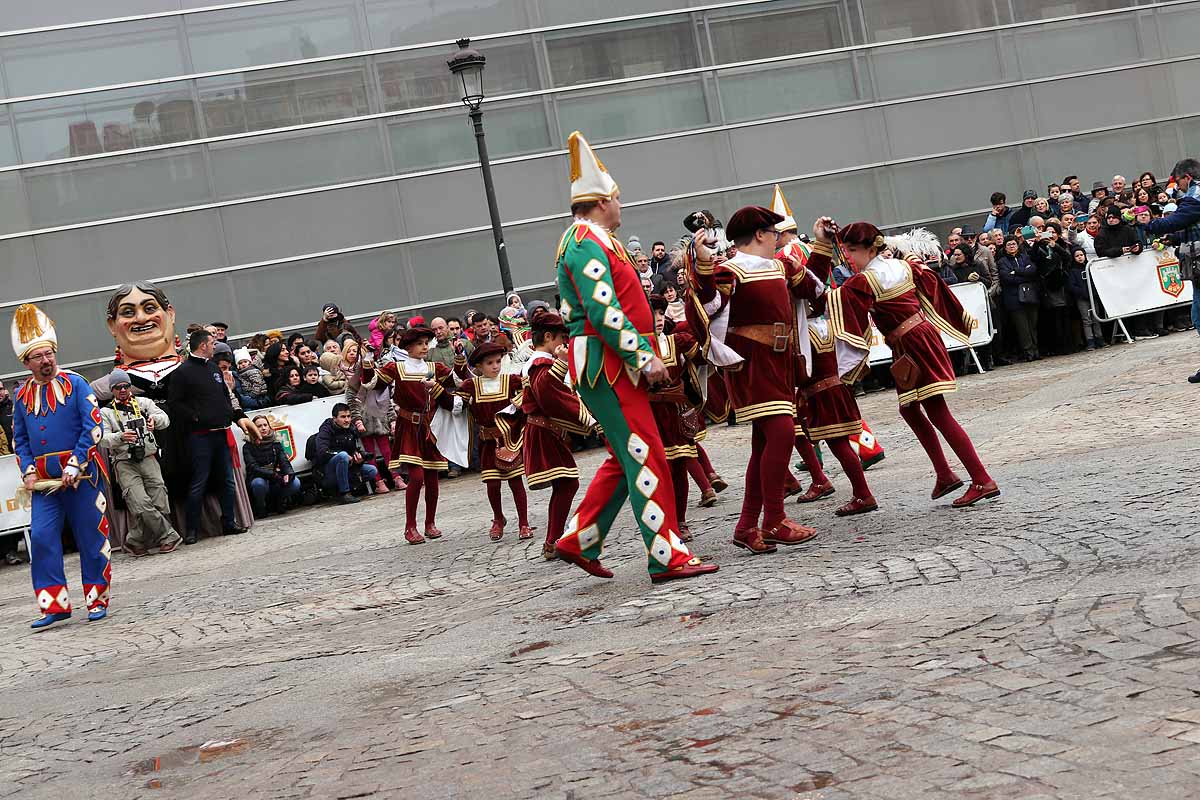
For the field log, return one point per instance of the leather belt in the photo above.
(904, 327)
(489, 434)
(777, 336)
(415, 417)
(821, 386)
(673, 394)
(538, 421)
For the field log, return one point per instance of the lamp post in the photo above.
(467, 65)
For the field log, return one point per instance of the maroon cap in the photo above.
(484, 350)
(410, 335)
(747, 221)
(862, 233)
(546, 320)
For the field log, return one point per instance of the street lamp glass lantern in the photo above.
(467, 65)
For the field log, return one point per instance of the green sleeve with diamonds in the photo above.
(584, 274)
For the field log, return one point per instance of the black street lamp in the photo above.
(467, 65)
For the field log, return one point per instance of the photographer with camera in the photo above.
(129, 423)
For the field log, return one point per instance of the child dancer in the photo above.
(912, 307)
(418, 387)
(547, 412)
(487, 393)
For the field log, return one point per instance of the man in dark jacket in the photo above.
(268, 471)
(198, 401)
(339, 452)
(1184, 221)
(1020, 218)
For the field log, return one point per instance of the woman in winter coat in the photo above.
(291, 391)
(277, 359)
(1020, 296)
(1077, 288)
(1053, 260)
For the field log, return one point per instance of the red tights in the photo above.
(770, 446)
(702, 457)
(696, 470)
(851, 465)
(419, 477)
(561, 496)
(517, 485)
(808, 454)
(924, 417)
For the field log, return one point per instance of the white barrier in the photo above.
(1132, 285)
(293, 425)
(974, 299)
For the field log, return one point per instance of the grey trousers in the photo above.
(145, 496)
(1091, 328)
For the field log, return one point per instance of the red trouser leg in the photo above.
(928, 438)
(493, 493)
(851, 465)
(705, 463)
(778, 433)
(808, 454)
(562, 495)
(412, 495)
(696, 470)
(520, 500)
(752, 501)
(432, 491)
(956, 437)
(679, 479)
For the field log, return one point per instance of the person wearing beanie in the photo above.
(128, 425)
(333, 324)
(251, 388)
(613, 367)
(913, 308)
(753, 309)
(489, 391)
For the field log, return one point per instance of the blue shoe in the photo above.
(97, 614)
(49, 619)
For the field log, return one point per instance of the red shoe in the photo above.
(791, 486)
(708, 499)
(977, 492)
(858, 505)
(381, 487)
(496, 532)
(945, 487)
(412, 537)
(591, 566)
(526, 532)
(432, 532)
(789, 533)
(548, 551)
(689, 570)
(752, 540)
(399, 484)
(816, 492)
(685, 533)
(718, 483)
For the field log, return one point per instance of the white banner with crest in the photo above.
(974, 299)
(1132, 285)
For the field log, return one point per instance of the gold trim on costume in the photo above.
(417, 461)
(836, 431)
(883, 295)
(927, 391)
(539, 479)
(496, 475)
(676, 452)
(769, 409)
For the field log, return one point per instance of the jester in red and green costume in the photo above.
(613, 364)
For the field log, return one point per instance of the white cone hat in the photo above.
(31, 328)
(779, 205)
(590, 180)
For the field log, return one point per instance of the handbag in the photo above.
(905, 373)
(507, 457)
(1028, 294)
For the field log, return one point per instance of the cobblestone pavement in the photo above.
(1042, 646)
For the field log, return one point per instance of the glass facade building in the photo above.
(263, 157)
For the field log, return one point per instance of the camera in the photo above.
(137, 449)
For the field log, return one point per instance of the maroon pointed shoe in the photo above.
(858, 505)
(945, 487)
(816, 492)
(788, 532)
(591, 566)
(752, 540)
(692, 569)
(977, 492)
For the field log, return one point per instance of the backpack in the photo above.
(310, 449)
